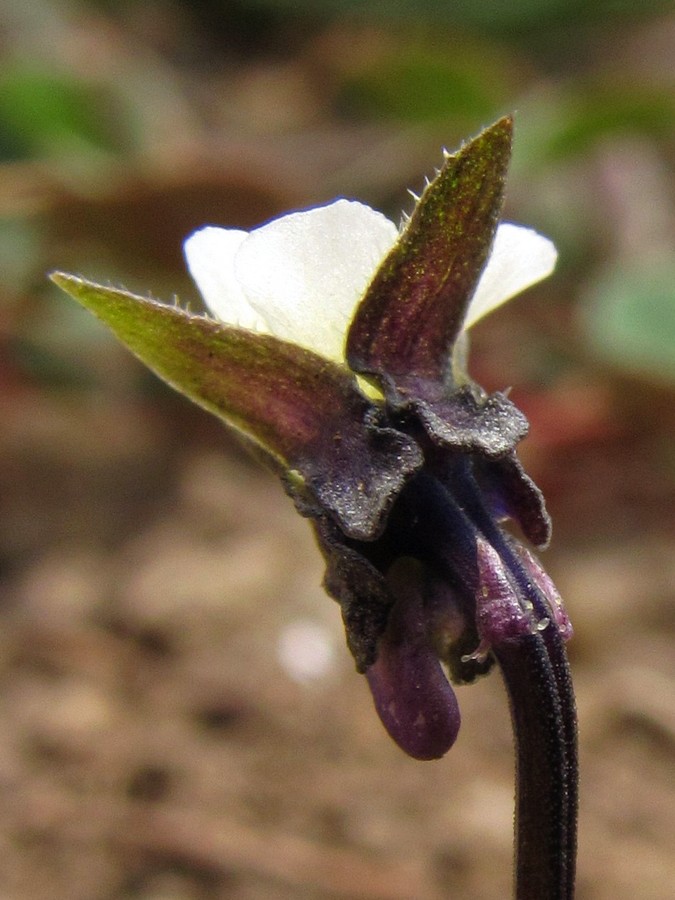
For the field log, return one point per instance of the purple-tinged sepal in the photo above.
(304, 411)
(503, 614)
(511, 494)
(406, 326)
(549, 591)
(358, 585)
(467, 419)
(414, 308)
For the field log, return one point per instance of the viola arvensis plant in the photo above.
(337, 346)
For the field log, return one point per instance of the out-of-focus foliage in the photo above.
(47, 113)
(629, 316)
(417, 82)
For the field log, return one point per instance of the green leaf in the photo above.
(303, 410)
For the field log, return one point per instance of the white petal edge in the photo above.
(520, 258)
(306, 272)
(210, 254)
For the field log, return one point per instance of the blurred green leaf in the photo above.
(415, 83)
(48, 113)
(629, 317)
(591, 111)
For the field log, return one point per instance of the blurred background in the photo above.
(180, 717)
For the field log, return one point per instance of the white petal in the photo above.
(520, 258)
(306, 272)
(210, 254)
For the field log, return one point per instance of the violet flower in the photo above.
(305, 278)
(338, 350)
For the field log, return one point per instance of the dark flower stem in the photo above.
(538, 683)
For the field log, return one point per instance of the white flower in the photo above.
(301, 277)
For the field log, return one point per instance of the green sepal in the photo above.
(303, 410)
(414, 308)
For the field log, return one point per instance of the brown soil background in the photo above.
(153, 746)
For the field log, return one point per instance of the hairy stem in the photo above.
(537, 679)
